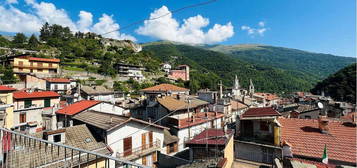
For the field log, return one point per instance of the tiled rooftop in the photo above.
(44, 59)
(199, 118)
(164, 88)
(260, 112)
(58, 80)
(173, 104)
(211, 137)
(77, 107)
(306, 139)
(6, 88)
(34, 95)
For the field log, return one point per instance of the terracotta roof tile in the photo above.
(260, 112)
(236, 105)
(164, 88)
(173, 104)
(33, 95)
(310, 163)
(268, 96)
(211, 137)
(44, 59)
(58, 80)
(199, 119)
(6, 88)
(307, 140)
(77, 107)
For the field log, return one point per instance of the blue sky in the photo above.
(325, 26)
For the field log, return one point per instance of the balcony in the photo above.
(34, 66)
(139, 151)
(28, 151)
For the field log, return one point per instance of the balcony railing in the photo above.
(140, 151)
(20, 150)
(35, 66)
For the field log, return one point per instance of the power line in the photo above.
(172, 12)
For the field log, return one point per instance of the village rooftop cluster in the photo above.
(166, 126)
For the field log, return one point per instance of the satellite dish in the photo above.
(76, 95)
(320, 105)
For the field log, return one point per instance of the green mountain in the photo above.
(221, 66)
(340, 85)
(306, 65)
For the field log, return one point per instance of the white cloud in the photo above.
(261, 24)
(85, 21)
(14, 20)
(39, 13)
(12, 1)
(255, 31)
(163, 26)
(107, 24)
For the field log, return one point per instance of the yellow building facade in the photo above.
(27, 64)
(6, 106)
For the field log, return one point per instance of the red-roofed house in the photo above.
(268, 99)
(28, 107)
(308, 138)
(60, 85)
(258, 135)
(202, 145)
(25, 64)
(163, 89)
(67, 112)
(185, 126)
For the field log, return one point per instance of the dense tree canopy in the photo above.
(340, 86)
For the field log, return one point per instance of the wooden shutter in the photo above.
(144, 160)
(47, 102)
(150, 139)
(175, 147)
(127, 146)
(154, 157)
(143, 141)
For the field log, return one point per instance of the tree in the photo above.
(4, 42)
(19, 40)
(8, 75)
(45, 32)
(33, 42)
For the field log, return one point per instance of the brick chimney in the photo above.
(323, 124)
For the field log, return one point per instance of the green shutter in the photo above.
(28, 103)
(47, 102)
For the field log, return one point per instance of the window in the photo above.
(172, 147)
(31, 63)
(28, 103)
(21, 69)
(65, 87)
(264, 126)
(47, 102)
(307, 117)
(57, 138)
(21, 63)
(56, 87)
(31, 70)
(39, 64)
(50, 65)
(39, 70)
(22, 117)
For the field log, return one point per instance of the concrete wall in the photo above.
(34, 82)
(256, 152)
(109, 108)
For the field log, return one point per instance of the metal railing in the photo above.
(22, 151)
(140, 150)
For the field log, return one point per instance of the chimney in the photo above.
(323, 124)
